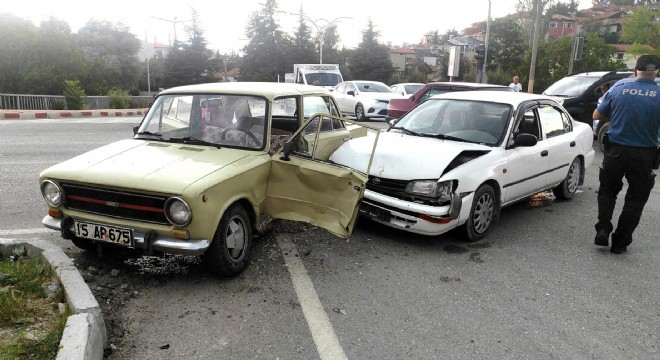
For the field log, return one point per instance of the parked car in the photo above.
(199, 185)
(458, 158)
(364, 99)
(397, 107)
(601, 127)
(579, 93)
(406, 89)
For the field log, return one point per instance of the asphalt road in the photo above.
(535, 288)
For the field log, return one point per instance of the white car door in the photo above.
(526, 173)
(562, 147)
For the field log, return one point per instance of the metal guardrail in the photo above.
(58, 102)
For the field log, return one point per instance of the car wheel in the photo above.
(230, 249)
(482, 213)
(601, 134)
(359, 112)
(568, 187)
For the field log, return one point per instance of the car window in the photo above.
(350, 87)
(433, 92)
(373, 87)
(341, 88)
(319, 104)
(229, 120)
(529, 124)
(553, 121)
(571, 86)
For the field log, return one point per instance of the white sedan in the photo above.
(458, 158)
(364, 99)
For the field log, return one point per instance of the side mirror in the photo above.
(350, 92)
(412, 97)
(288, 148)
(135, 129)
(525, 140)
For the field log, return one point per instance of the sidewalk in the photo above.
(67, 114)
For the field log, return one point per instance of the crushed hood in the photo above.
(402, 157)
(145, 165)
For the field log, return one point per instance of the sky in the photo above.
(224, 21)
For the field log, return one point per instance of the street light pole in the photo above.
(484, 77)
(321, 30)
(174, 22)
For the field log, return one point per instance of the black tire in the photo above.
(568, 187)
(602, 130)
(359, 112)
(230, 249)
(484, 211)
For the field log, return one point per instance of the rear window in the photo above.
(571, 86)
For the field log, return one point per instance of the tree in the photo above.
(508, 47)
(17, 39)
(190, 61)
(265, 54)
(371, 60)
(642, 28)
(303, 49)
(110, 51)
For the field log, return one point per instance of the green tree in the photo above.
(642, 28)
(110, 51)
(506, 48)
(303, 48)
(190, 61)
(554, 56)
(74, 95)
(371, 60)
(17, 38)
(264, 57)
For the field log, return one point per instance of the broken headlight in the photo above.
(440, 190)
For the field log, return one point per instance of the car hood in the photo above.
(145, 165)
(402, 157)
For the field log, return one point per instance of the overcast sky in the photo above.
(224, 21)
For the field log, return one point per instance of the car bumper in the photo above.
(412, 217)
(377, 110)
(158, 243)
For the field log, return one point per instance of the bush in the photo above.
(58, 104)
(74, 95)
(119, 99)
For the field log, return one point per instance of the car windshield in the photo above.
(459, 120)
(571, 86)
(203, 119)
(412, 88)
(373, 87)
(323, 79)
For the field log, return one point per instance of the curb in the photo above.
(84, 336)
(67, 114)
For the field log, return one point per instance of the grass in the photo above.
(30, 323)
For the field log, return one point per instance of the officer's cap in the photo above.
(647, 63)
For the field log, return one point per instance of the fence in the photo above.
(58, 102)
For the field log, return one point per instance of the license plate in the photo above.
(105, 233)
(375, 212)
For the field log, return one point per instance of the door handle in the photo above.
(572, 143)
(544, 153)
(347, 138)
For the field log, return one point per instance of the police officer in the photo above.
(631, 151)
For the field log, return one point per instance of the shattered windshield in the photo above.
(457, 120)
(206, 119)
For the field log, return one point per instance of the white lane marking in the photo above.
(327, 344)
(25, 231)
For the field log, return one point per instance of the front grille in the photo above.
(114, 203)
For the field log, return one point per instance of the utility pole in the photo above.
(174, 22)
(484, 77)
(535, 47)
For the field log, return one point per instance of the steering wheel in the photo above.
(245, 131)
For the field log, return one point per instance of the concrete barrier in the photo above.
(85, 334)
(68, 114)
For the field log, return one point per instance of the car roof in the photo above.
(504, 97)
(268, 89)
(603, 73)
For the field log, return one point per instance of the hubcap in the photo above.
(236, 238)
(483, 213)
(573, 177)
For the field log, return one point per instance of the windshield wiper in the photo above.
(149, 133)
(447, 137)
(409, 132)
(194, 141)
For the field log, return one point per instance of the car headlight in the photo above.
(431, 188)
(177, 211)
(51, 193)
